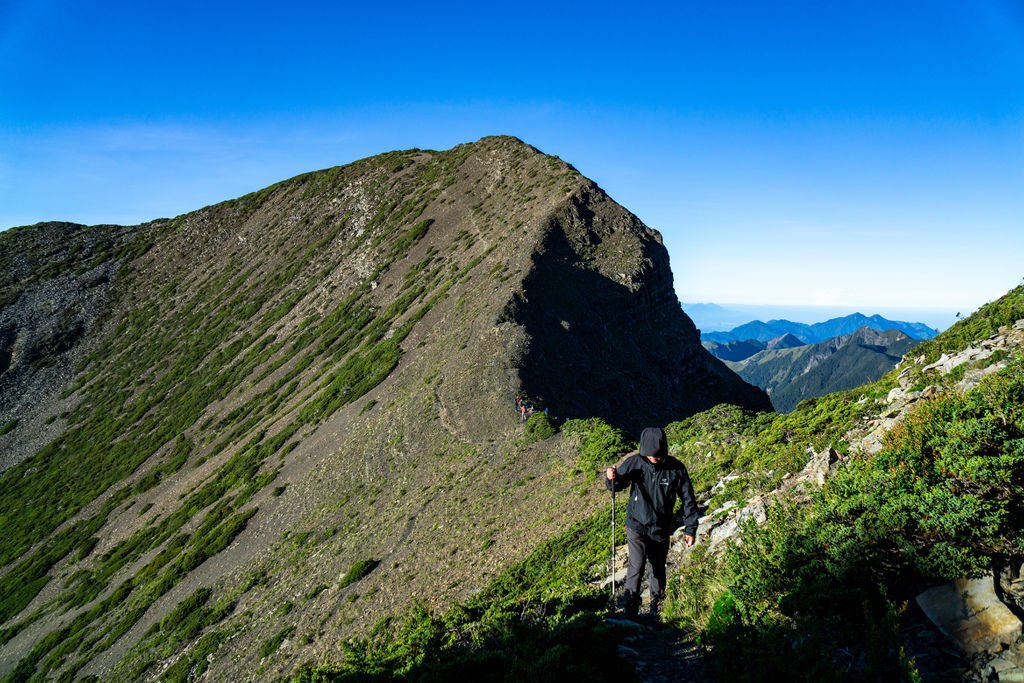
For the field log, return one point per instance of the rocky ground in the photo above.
(660, 653)
(44, 335)
(868, 439)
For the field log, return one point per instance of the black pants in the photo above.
(653, 551)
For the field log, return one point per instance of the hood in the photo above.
(653, 442)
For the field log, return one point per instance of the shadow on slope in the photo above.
(625, 354)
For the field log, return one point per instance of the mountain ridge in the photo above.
(791, 375)
(817, 332)
(272, 368)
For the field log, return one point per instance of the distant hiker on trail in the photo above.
(655, 479)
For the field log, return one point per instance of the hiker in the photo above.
(655, 479)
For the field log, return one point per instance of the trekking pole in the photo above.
(612, 564)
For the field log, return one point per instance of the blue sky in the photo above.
(851, 155)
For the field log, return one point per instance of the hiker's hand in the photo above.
(690, 540)
(610, 473)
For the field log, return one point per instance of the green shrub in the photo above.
(315, 591)
(271, 645)
(539, 427)
(941, 500)
(9, 427)
(357, 571)
(195, 661)
(411, 237)
(599, 444)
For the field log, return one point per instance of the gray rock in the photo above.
(625, 623)
(1000, 665)
(1015, 675)
(620, 576)
(821, 465)
(969, 613)
(724, 532)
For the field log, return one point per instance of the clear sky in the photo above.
(862, 155)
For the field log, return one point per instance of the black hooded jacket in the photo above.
(654, 488)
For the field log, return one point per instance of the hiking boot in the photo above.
(630, 605)
(655, 606)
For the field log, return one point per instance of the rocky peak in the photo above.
(786, 341)
(607, 336)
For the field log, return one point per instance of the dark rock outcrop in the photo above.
(607, 336)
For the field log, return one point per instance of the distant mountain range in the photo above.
(745, 348)
(793, 361)
(711, 317)
(759, 331)
(790, 375)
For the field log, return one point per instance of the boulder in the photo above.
(755, 509)
(822, 465)
(970, 614)
(818, 468)
(1011, 584)
(620, 578)
(1006, 667)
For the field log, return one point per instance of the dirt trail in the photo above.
(660, 653)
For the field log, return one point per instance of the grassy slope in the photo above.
(538, 620)
(193, 343)
(217, 367)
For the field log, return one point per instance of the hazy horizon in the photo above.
(736, 314)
